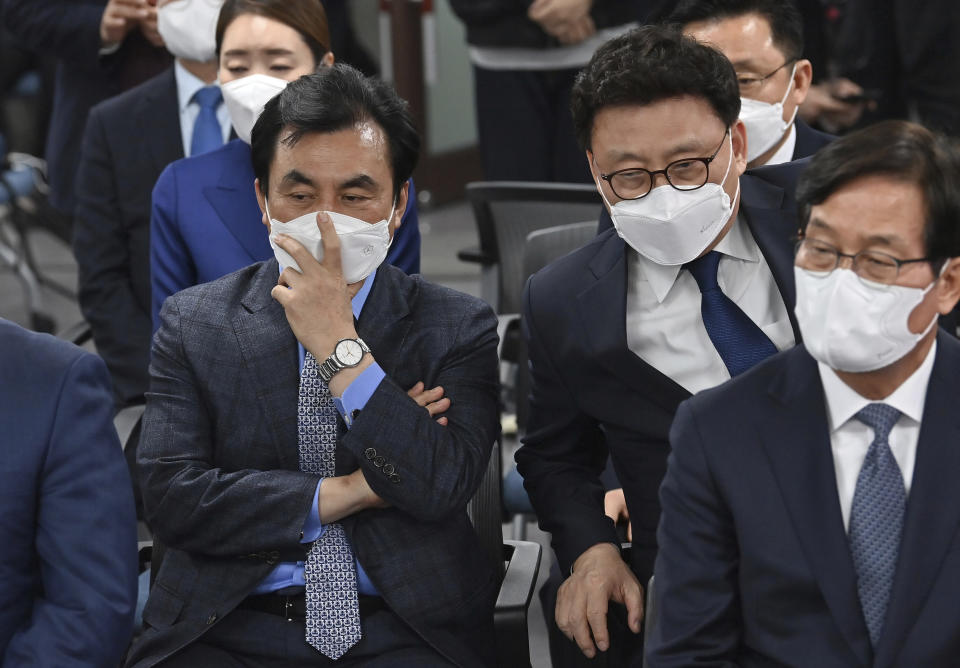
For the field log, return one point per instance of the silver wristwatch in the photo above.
(347, 353)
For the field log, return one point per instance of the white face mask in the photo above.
(671, 226)
(246, 97)
(363, 246)
(854, 326)
(188, 28)
(764, 121)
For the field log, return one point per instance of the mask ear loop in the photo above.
(783, 101)
(727, 173)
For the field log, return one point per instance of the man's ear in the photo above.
(401, 207)
(802, 79)
(949, 292)
(738, 135)
(262, 203)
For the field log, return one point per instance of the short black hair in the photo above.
(330, 100)
(649, 64)
(786, 24)
(899, 150)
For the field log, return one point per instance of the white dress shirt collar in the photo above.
(785, 152)
(843, 402)
(662, 277)
(187, 85)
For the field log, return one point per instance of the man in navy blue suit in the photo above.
(692, 286)
(810, 507)
(764, 41)
(68, 561)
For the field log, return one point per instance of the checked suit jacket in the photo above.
(220, 470)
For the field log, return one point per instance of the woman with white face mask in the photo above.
(205, 221)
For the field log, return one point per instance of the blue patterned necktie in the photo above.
(333, 613)
(735, 336)
(876, 518)
(207, 133)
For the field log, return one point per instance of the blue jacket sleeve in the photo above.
(86, 542)
(171, 266)
(405, 249)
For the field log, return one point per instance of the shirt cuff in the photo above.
(358, 393)
(109, 50)
(312, 526)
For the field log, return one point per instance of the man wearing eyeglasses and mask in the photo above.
(693, 286)
(764, 41)
(810, 507)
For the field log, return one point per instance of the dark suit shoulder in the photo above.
(31, 357)
(783, 176)
(809, 141)
(118, 107)
(565, 277)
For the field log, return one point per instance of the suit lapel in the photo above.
(270, 353)
(797, 444)
(773, 221)
(383, 322)
(159, 103)
(605, 301)
(235, 203)
(932, 513)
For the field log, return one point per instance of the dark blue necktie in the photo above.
(207, 133)
(876, 518)
(736, 337)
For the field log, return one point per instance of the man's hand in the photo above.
(316, 299)
(148, 24)
(433, 400)
(344, 495)
(567, 20)
(119, 18)
(825, 105)
(615, 507)
(599, 575)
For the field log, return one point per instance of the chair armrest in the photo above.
(504, 322)
(510, 616)
(476, 256)
(125, 421)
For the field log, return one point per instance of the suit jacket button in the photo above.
(378, 461)
(370, 453)
(395, 478)
(389, 469)
(211, 619)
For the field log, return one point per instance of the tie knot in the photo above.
(704, 270)
(208, 97)
(879, 416)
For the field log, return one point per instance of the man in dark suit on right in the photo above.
(764, 41)
(693, 286)
(810, 507)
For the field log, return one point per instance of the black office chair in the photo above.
(505, 213)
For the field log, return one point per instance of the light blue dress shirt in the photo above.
(290, 574)
(187, 86)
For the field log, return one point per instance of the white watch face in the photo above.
(349, 352)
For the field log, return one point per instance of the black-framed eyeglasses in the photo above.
(876, 266)
(682, 174)
(752, 84)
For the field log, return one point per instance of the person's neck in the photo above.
(880, 384)
(206, 72)
(726, 228)
(764, 158)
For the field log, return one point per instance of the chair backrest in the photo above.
(506, 212)
(544, 246)
(485, 511)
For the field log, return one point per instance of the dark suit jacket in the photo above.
(754, 566)
(206, 223)
(70, 29)
(68, 562)
(591, 394)
(128, 142)
(809, 141)
(219, 459)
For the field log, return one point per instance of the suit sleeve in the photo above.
(101, 243)
(696, 567)
(70, 30)
(434, 470)
(171, 265)
(86, 539)
(405, 250)
(563, 453)
(191, 503)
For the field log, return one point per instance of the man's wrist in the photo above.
(342, 379)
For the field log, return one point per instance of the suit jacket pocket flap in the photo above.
(163, 607)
